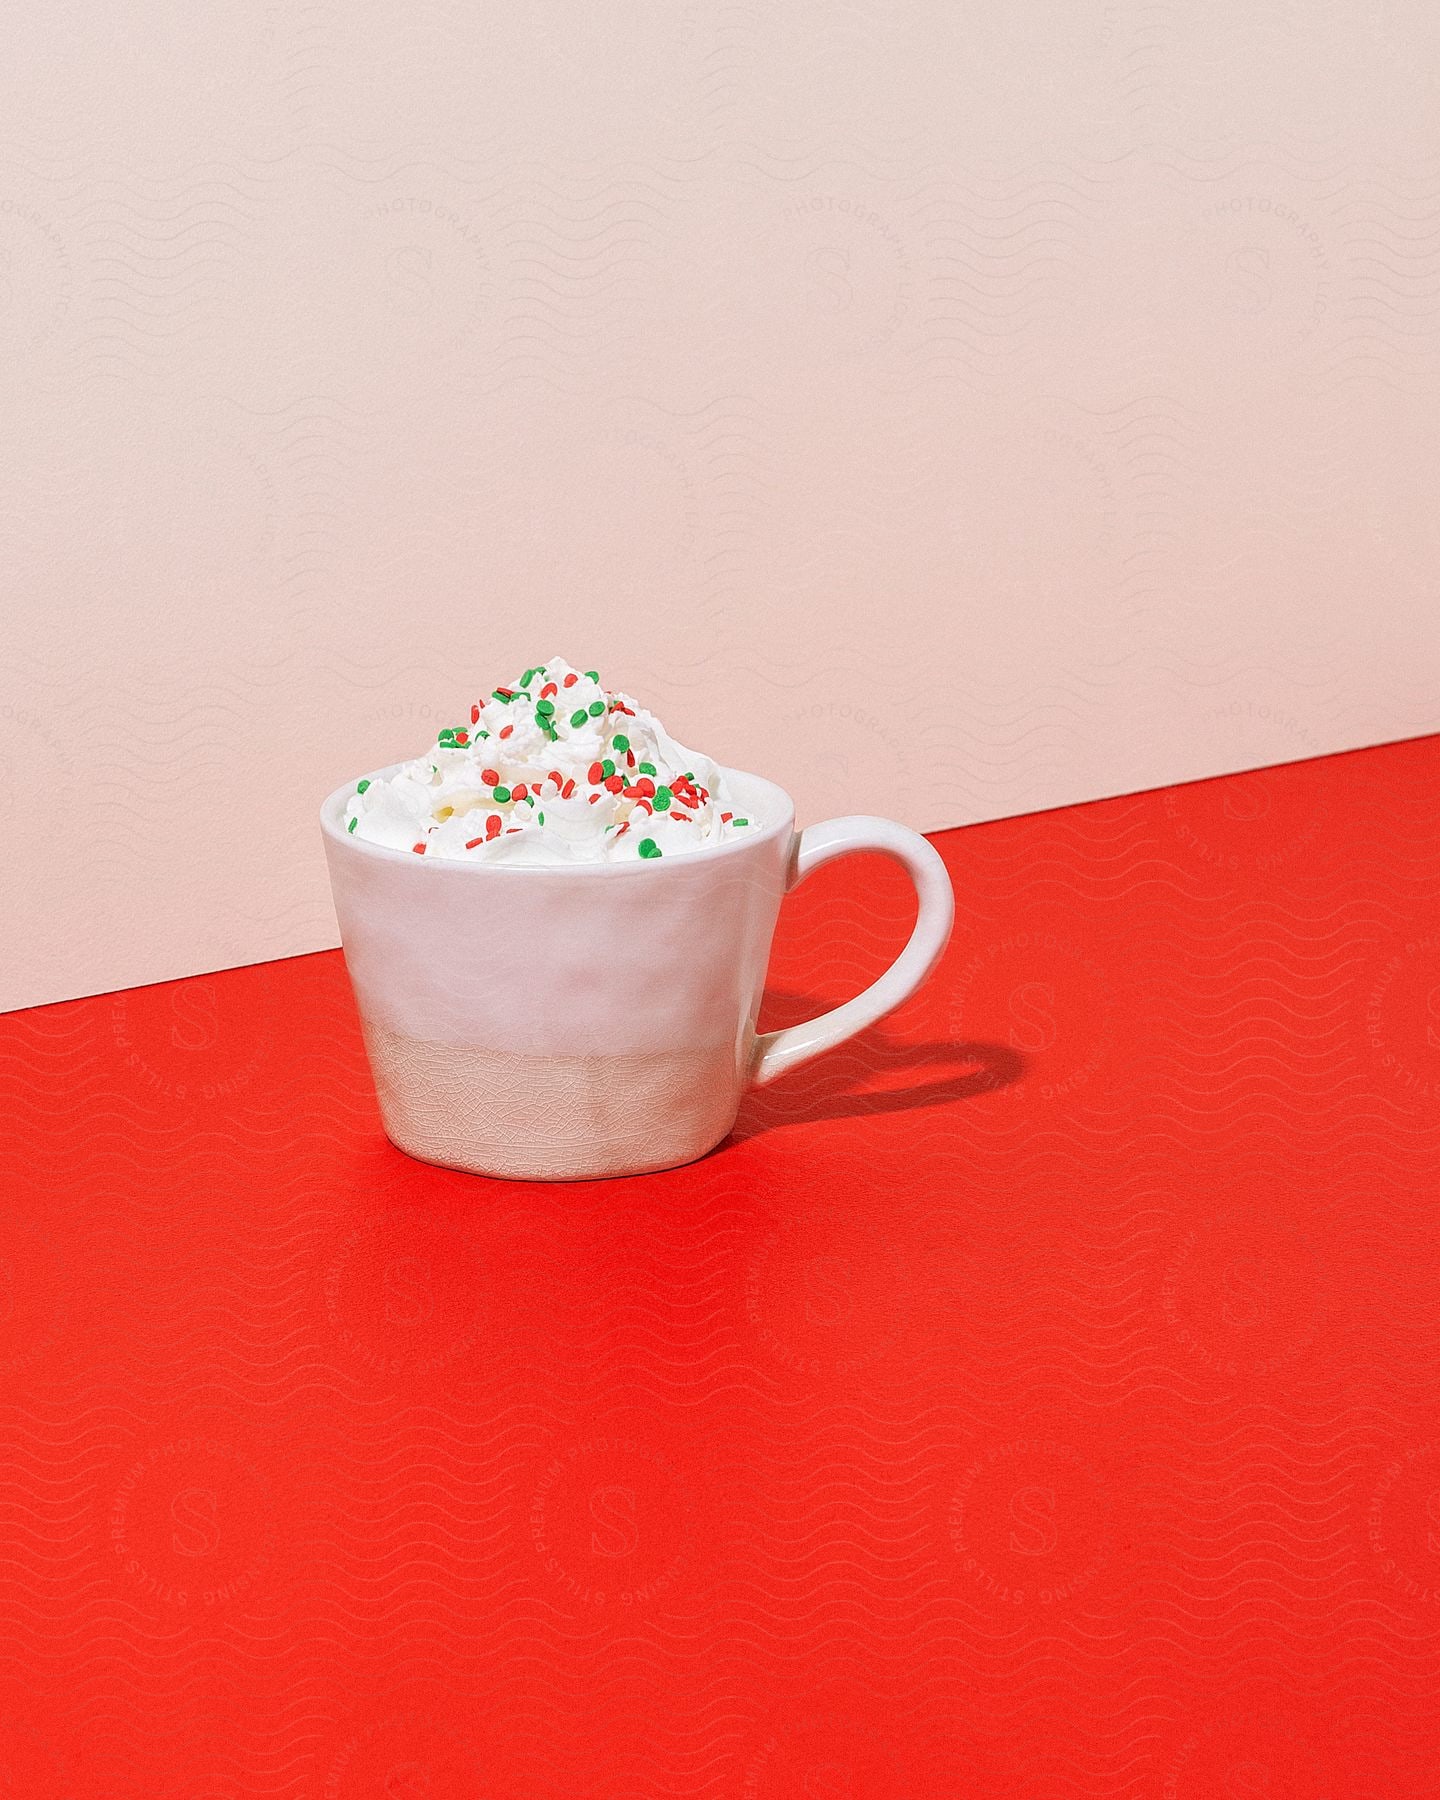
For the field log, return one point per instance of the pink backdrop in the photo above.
(947, 411)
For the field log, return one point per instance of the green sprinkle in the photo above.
(739, 821)
(362, 787)
(649, 848)
(525, 678)
(353, 823)
(500, 793)
(621, 741)
(662, 799)
(484, 734)
(647, 768)
(596, 708)
(577, 719)
(539, 818)
(607, 768)
(544, 708)
(592, 674)
(498, 695)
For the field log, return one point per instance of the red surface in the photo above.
(1036, 1399)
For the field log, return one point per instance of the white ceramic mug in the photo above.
(557, 1023)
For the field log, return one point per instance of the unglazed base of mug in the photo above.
(550, 1118)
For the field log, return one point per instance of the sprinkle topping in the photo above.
(533, 778)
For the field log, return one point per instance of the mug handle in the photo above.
(778, 1050)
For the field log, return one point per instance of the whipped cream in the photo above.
(553, 768)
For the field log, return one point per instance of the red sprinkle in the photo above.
(725, 818)
(548, 689)
(506, 730)
(474, 715)
(595, 773)
(570, 680)
(615, 783)
(470, 843)
(594, 798)
(631, 793)
(557, 778)
(462, 738)
(646, 804)
(492, 826)
(419, 849)
(567, 790)
(623, 829)
(519, 793)
(645, 786)
(620, 706)
(491, 777)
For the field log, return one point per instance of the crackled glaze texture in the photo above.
(552, 1118)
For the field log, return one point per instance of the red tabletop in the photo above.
(1035, 1398)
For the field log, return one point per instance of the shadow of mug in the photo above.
(864, 1075)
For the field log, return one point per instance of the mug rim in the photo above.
(332, 808)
